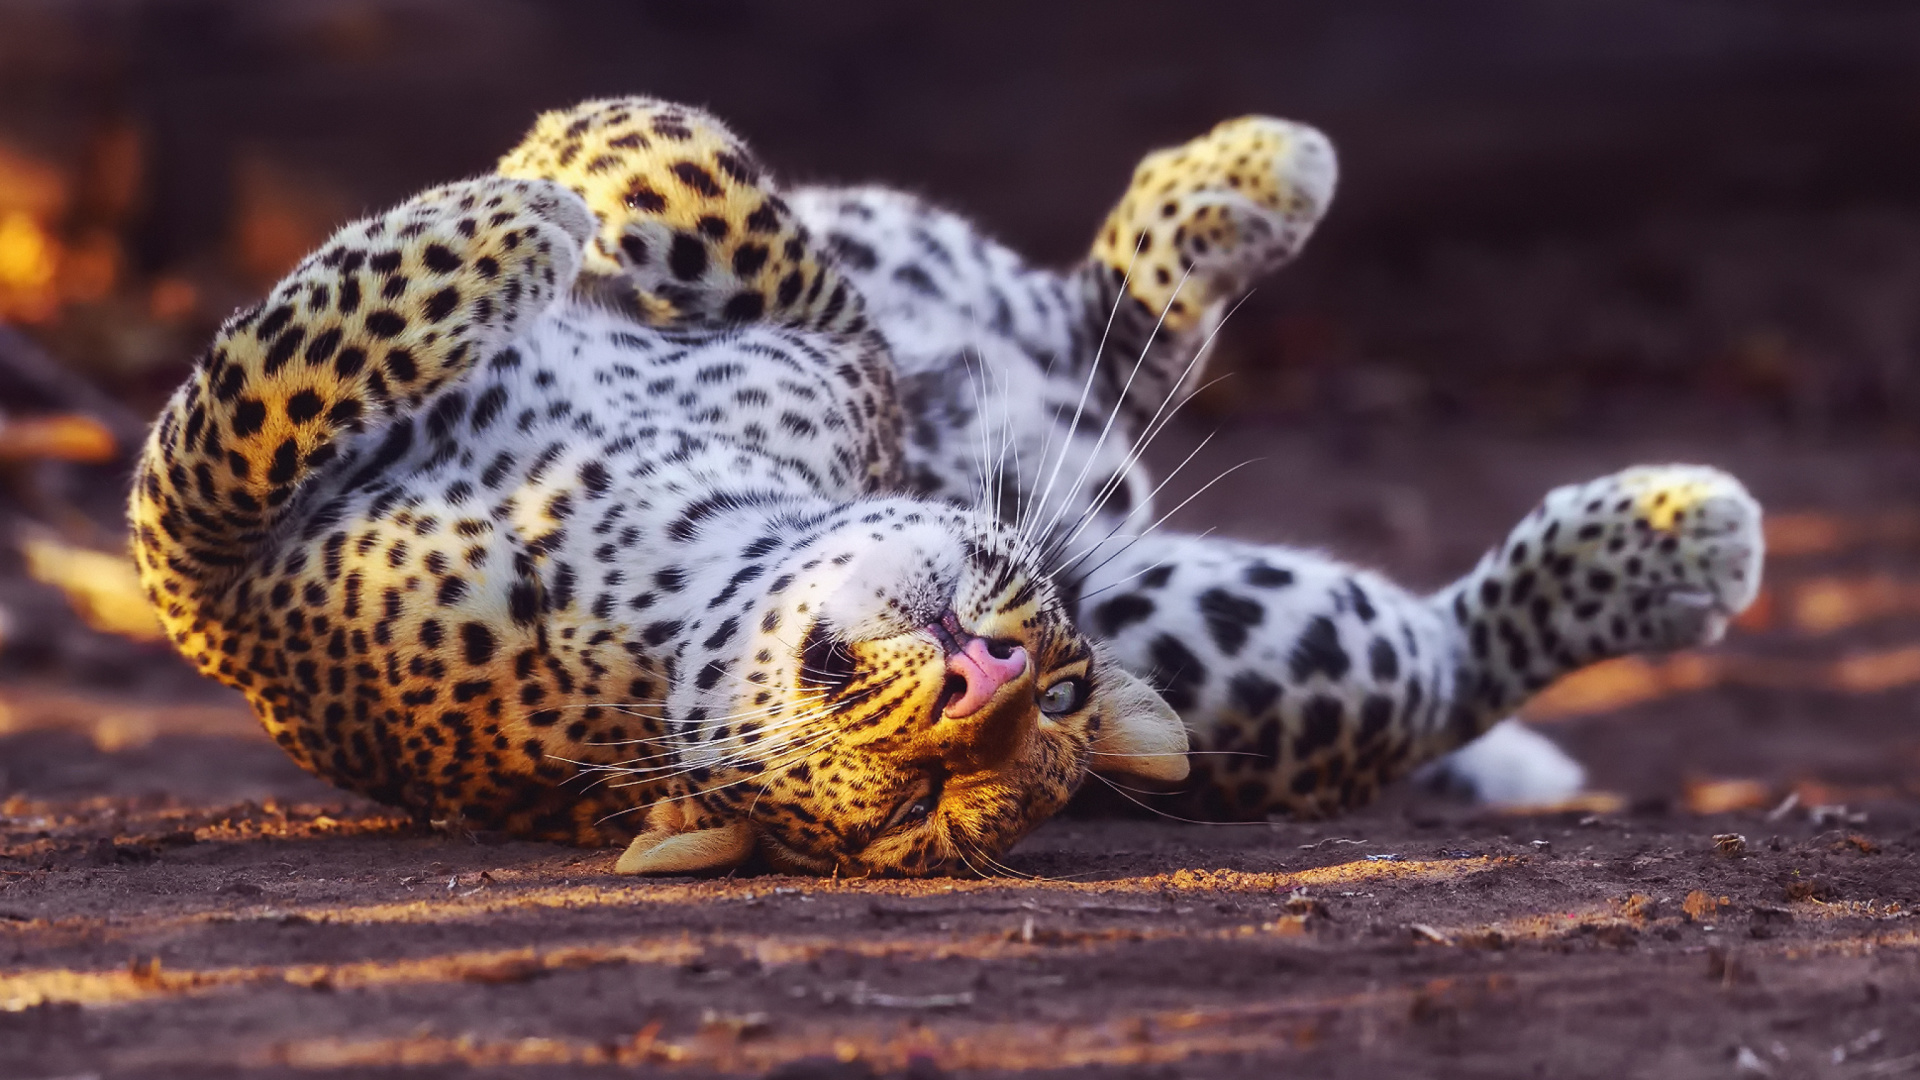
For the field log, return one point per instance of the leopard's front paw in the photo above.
(1202, 221)
(690, 227)
(1658, 557)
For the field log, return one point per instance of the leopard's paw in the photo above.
(391, 309)
(1650, 559)
(690, 228)
(1202, 221)
(1654, 557)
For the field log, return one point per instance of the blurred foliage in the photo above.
(1551, 216)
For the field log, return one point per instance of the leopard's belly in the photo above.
(482, 598)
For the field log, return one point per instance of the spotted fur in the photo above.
(615, 495)
(509, 508)
(1031, 388)
(687, 232)
(1307, 683)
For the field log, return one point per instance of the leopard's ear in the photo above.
(1140, 734)
(674, 845)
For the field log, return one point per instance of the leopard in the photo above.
(567, 502)
(624, 497)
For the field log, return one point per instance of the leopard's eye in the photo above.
(916, 807)
(1069, 695)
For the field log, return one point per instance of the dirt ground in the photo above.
(176, 900)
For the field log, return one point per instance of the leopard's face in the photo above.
(917, 699)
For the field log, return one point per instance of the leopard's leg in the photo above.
(389, 310)
(691, 233)
(996, 352)
(1198, 225)
(691, 227)
(1308, 683)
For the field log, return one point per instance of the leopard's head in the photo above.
(912, 698)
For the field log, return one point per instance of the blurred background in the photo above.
(1569, 236)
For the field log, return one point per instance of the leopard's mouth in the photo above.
(950, 691)
(977, 667)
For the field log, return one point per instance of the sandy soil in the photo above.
(176, 900)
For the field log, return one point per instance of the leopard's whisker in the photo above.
(1164, 481)
(995, 476)
(671, 740)
(998, 467)
(1131, 540)
(961, 852)
(688, 795)
(1162, 417)
(1163, 518)
(1086, 389)
(992, 497)
(1143, 571)
(991, 465)
(1091, 549)
(1092, 512)
(784, 767)
(1022, 513)
(1157, 423)
(809, 748)
(1019, 471)
(1009, 446)
(975, 375)
(1153, 431)
(742, 755)
(629, 709)
(1127, 793)
(1114, 408)
(683, 768)
(981, 853)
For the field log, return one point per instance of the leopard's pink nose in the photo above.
(985, 666)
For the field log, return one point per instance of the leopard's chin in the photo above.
(786, 859)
